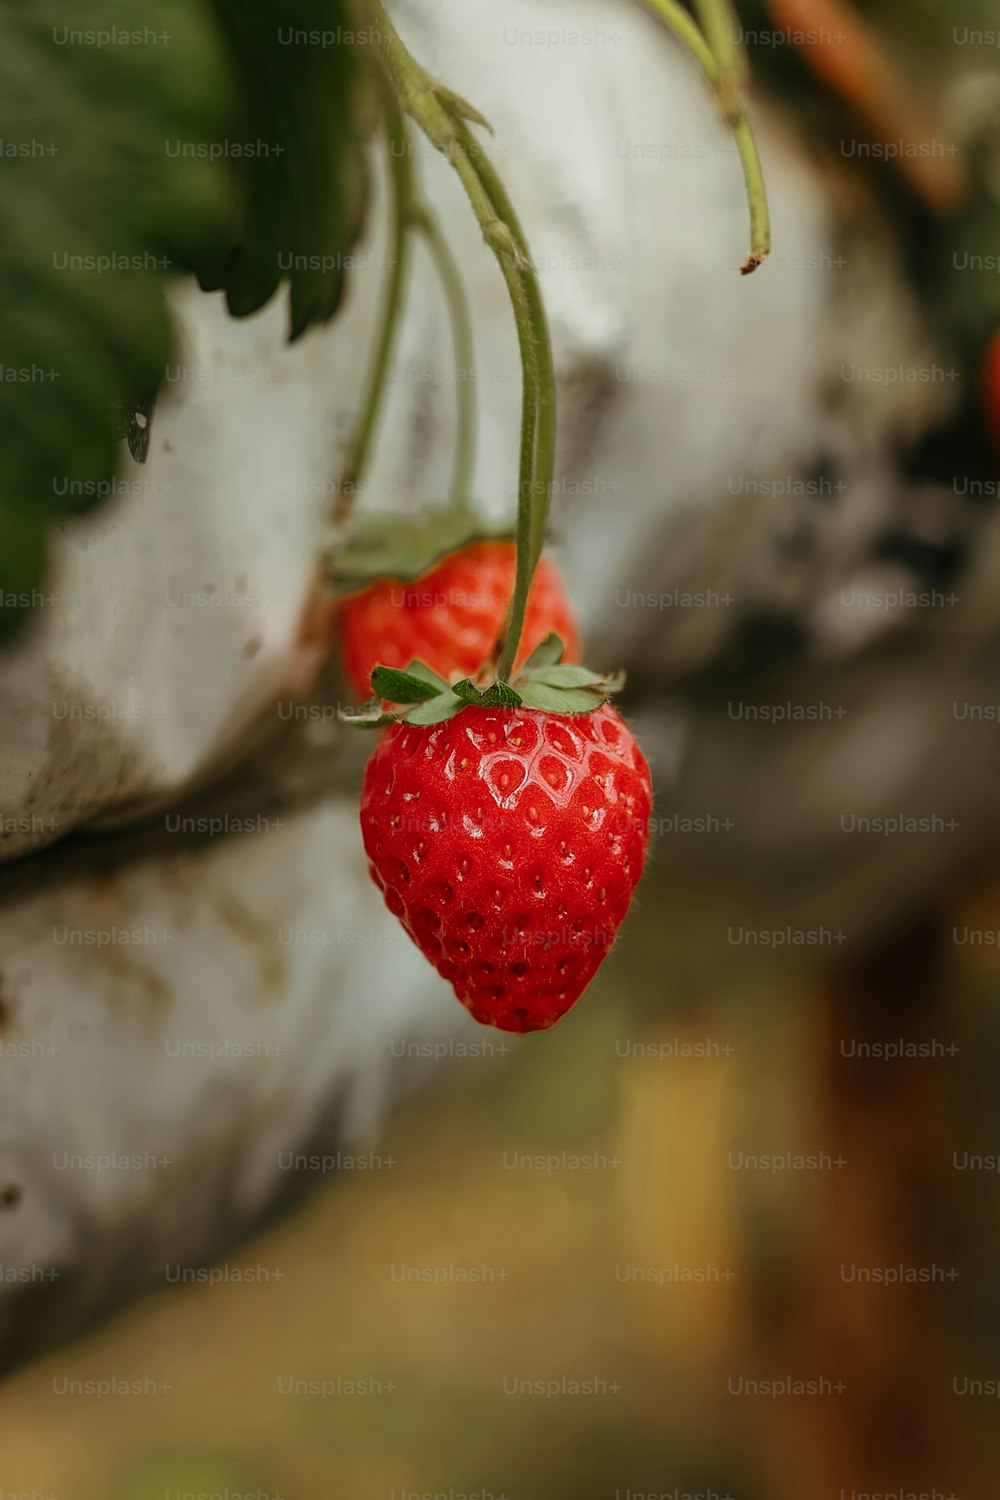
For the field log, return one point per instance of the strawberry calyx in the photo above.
(545, 683)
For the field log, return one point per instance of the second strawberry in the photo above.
(450, 617)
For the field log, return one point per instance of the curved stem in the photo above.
(461, 327)
(760, 218)
(538, 425)
(533, 488)
(682, 24)
(718, 54)
(545, 436)
(401, 168)
(442, 115)
(721, 26)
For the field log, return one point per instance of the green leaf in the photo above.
(103, 203)
(302, 176)
(435, 710)
(402, 687)
(22, 561)
(141, 141)
(551, 650)
(554, 700)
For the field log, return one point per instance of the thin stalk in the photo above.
(685, 28)
(401, 176)
(716, 50)
(441, 115)
(753, 172)
(545, 436)
(461, 328)
(721, 26)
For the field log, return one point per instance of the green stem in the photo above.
(441, 115)
(717, 52)
(546, 381)
(401, 168)
(720, 25)
(681, 23)
(753, 172)
(538, 414)
(461, 327)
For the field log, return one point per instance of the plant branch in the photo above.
(461, 327)
(442, 116)
(721, 26)
(753, 172)
(546, 414)
(685, 28)
(716, 49)
(401, 171)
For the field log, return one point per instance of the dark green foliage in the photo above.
(124, 130)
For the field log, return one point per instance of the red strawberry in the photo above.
(509, 842)
(451, 616)
(992, 384)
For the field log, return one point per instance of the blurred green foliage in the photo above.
(139, 143)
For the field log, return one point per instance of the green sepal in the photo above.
(499, 695)
(566, 676)
(418, 668)
(552, 700)
(366, 715)
(403, 687)
(551, 651)
(404, 547)
(553, 686)
(550, 686)
(435, 710)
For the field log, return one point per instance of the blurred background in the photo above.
(276, 1218)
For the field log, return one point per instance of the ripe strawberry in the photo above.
(992, 389)
(451, 616)
(509, 842)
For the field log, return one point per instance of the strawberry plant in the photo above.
(225, 140)
(505, 814)
(490, 715)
